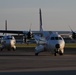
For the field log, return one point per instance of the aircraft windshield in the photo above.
(56, 38)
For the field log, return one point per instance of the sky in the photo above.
(57, 15)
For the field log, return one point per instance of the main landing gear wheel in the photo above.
(36, 54)
(14, 49)
(1, 49)
(9, 49)
(55, 54)
(60, 53)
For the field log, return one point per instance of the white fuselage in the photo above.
(8, 42)
(54, 43)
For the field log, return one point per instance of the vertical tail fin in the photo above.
(40, 19)
(6, 25)
(45, 34)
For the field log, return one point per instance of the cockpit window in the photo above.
(60, 38)
(56, 38)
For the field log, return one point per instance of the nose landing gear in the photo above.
(58, 51)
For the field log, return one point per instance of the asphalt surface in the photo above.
(23, 61)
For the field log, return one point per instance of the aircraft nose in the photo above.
(57, 45)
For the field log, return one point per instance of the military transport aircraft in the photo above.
(8, 42)
(49, 41)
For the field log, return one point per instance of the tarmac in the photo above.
(23, 61)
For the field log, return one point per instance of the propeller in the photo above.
(30, 34)
(73, 33)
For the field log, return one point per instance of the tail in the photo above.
(45, 34)
(40, 20)
(6, 25)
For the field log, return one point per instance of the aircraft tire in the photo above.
(1, 49)
(8, 49)
(60, 54)
(36, 54)
(14, 49)
(55, 54)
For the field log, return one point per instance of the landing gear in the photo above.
(8, 49)
(14, 49)
(36, 54)
(60, 53)
(1, 49)
(55, 52)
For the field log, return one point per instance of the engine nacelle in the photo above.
(39, 49)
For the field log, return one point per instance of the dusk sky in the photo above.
(57, 15)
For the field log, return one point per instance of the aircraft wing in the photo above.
(13, 31)
(19, 32)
